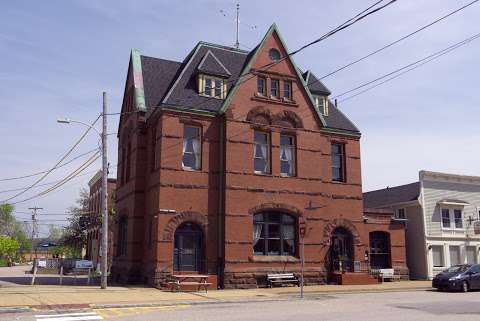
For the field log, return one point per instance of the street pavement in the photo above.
(391, 306)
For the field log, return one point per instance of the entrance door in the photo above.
(188, 254)
(380, 250)
(342, 250)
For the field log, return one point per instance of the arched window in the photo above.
(274, 234)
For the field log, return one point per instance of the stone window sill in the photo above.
(274, 258)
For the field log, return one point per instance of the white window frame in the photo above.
(215, 83)
(397, 213)
(451, 214)
(475, 253)
(321, 102)
(277, 81)
(460, 261)
(267, 156)
(197, 153)
(292, 148)
(442, 253)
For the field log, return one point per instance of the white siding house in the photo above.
(440, 212)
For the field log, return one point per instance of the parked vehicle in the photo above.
(462, 277)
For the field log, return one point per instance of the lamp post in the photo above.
(103, 136)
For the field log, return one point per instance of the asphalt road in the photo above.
(391, 306)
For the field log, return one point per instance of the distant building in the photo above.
(441, 211)
(219, 173)
(94, 221)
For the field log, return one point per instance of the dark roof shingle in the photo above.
(391, 195)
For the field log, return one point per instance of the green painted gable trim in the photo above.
(248, 67)
(341, 132)
(139, 92)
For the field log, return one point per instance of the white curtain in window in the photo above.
(196, 151)
(185, 142)
(264, 155)
(288, 234)
(288, 154)
(257, 231)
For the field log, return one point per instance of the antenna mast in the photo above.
(237, 44)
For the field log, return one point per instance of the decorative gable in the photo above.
(211, 65)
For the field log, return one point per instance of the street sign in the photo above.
(83, 264)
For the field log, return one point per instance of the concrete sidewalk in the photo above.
(89, 296)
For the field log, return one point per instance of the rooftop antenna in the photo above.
(237, 44)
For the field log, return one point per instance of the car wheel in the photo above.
(464, 286)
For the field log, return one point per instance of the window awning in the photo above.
(452, 202)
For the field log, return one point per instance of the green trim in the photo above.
(139, 92)
(189, 110)
(341, 132)
(246, 70)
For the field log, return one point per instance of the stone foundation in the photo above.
(253, 280)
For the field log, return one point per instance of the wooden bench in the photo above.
(284, 278)
(193, 280)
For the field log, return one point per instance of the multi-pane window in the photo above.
(191, 148)
(338, 162)
(437, 255)
(274, 88)
(261, 152)
(261, 85)
(452, 218)
(212, 86)
(321, 104)
(287, 90)
(273, 234)
(287, 155)
(400, 214)
(457, 216)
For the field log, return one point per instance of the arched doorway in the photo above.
(188, 248)
(341, 251)
(380, 250)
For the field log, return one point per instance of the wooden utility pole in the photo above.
(104, 247)
(34, 227)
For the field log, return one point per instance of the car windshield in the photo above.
(457, 268)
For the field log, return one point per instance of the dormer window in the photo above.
(212, 86)
(321, 102)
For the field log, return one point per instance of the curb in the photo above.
(6, 310)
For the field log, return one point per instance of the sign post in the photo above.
(302, 255)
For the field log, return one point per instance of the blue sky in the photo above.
(58, 57)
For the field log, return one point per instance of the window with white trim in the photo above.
(191, 148)
(261, 85)
(452, 218)
(454, 255)
(287, 155)
(287, 90)
(261, 152)
(471, 252)
(437, 256)
(400, 213)
(321, 102)
(274, 88)
(212, 86)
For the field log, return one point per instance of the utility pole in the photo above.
(237, 44)
(34, 227)
(104, 263)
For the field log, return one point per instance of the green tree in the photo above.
(15, 230)
(7, 220)
(75, 235)
(8, 247)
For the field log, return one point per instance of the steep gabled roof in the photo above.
(391, 195)
(210, 64)
(315, 85)
(337, 120)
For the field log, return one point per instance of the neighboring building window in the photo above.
(212, 86)
(401, 214)
(321, 102)
(261, 88)
(261, 152)
(287, 90)
(191, 148)
(471, 254)
(338, 162)
(446, 218)
(454, 255)
(274, 88)
(274, 54)
(457, 216)
(437, 255)
(122, 236)
(287, 155)
(273, 234)
(452, 218)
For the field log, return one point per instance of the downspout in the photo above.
(221, 204)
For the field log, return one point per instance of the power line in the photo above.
(55, 166)
(438, 53)
(397, 41)
(42, 172)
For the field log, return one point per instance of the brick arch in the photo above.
(259, 115)
(346, 224)
(281, 207)
(287, 118)
(177, 220)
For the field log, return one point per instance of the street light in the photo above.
(103, 136)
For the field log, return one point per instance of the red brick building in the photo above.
(94, 230)
(223, 156)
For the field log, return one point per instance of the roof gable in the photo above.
(391, 195)
(211, 65)
(315, 85)
(248, 67)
